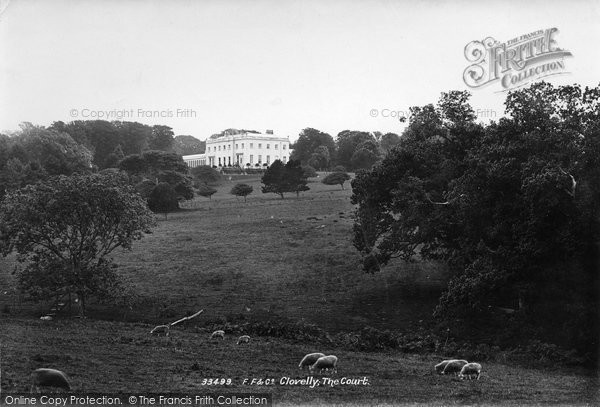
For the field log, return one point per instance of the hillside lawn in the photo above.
(264, 260)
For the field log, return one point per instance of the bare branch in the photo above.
(186, 318)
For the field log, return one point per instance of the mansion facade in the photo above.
(242, 148)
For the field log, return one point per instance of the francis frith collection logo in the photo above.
(516, 62)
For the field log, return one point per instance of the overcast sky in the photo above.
(270, 64)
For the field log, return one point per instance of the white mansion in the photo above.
(235, 147)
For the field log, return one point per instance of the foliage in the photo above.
(512, 207)
(336, 178)
(205, 174)
(279, 178)
(320, 158)
(388, 141)
(64, 228)
(359, 146)
(161, 138)
(102, 138)
(312, 141)
(308, 171)
(241, 190)
(188, 145)
(206, 191)
(365, 155)
(36, 153)
(160, 167)
(163, 199)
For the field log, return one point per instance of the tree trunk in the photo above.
(81, 298)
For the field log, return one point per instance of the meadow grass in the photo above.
(266, 259)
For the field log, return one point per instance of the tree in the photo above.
(279, 178)
(242, 190)
(160, 166)
(65, 228)
(295, 177)
(511, 207)
(161, 138)
(205, 174)
(336, 178)
(365, 155)
(113, 159)
(206, 191)
(388, 141)
(309, 142)
(163, 199)
(274, 179)
(320, 158)
(308, 171)
(57, 153)
(347, 143)
(188, 145)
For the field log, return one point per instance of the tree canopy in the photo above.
(311, 141)
(65, 228)
(280, 178)
(242, 190)
(512, 207)
(336, 178)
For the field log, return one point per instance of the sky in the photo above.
(204, 66)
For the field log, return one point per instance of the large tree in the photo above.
(348, 143)
(309, 142)
(280, 178)
(512, 207)
(159, 166)
(65, 228)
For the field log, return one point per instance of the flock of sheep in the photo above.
(320, 362)
(460, 367)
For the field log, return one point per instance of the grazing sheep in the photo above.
(310, 359)
(469, 370)
(161, 329)
(243, 339)
(49, 378)
(439, 368)
(325, 362)
(454, 366)
(220, 333)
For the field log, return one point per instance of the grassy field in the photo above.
(266, 259)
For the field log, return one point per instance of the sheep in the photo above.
(454, 366)
(469, 370)
(49, 378)
(220, 333)
(161, 329)
(325, 362)
(310, 359)
(439, 368)
(243, 339)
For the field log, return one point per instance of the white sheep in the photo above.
(325, 363)
(439, 368)
(310, 359)
(469, 370)
(243, 339)
(219, 333)
(161, 329)
(45, 377)
(454, 366)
